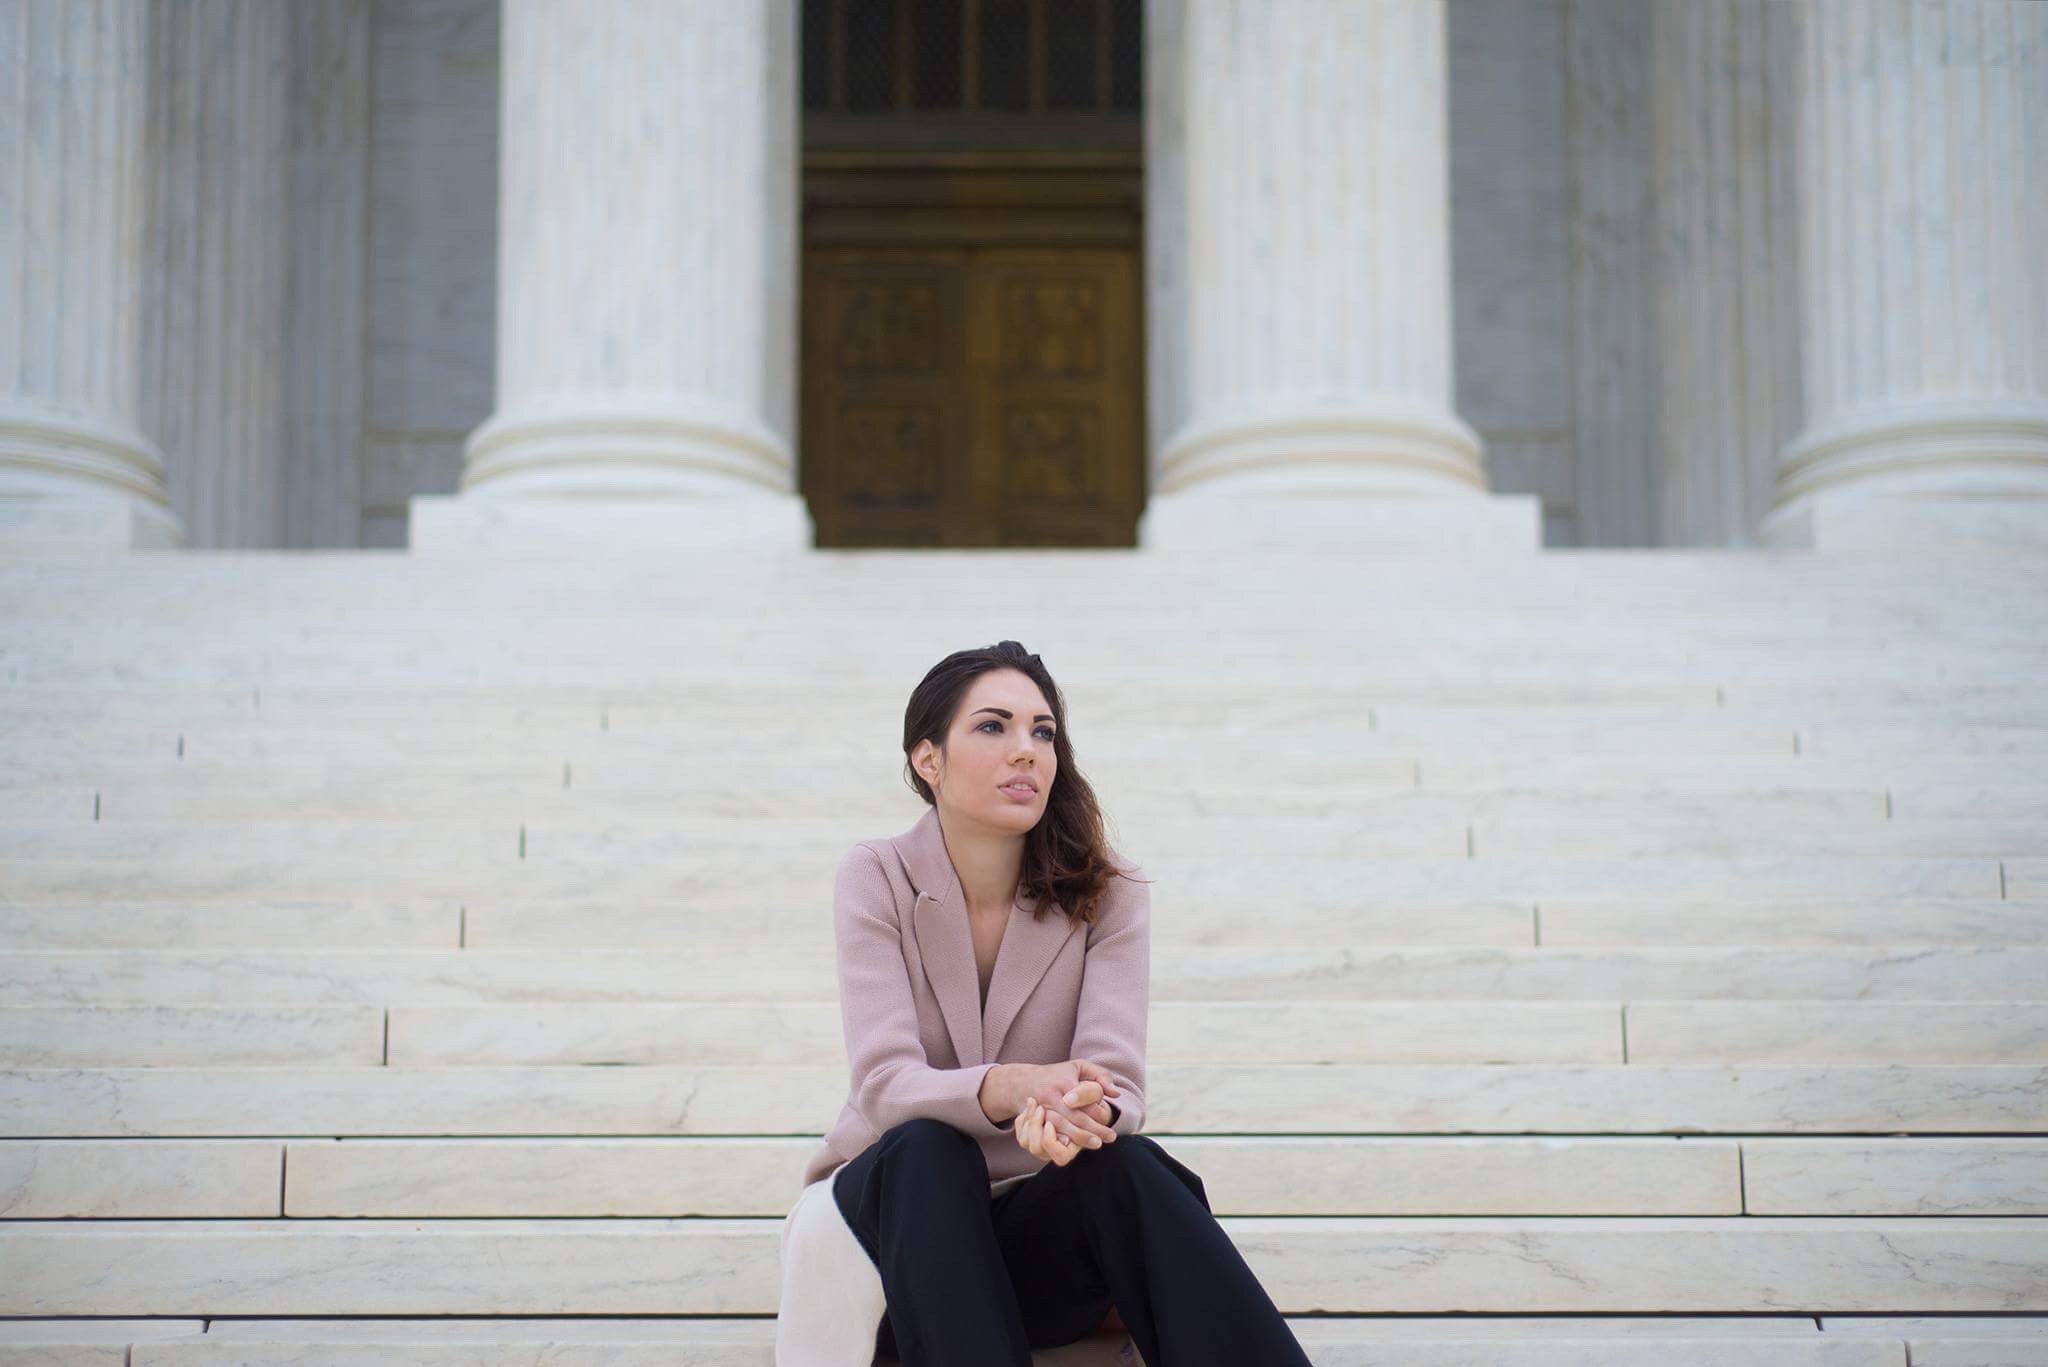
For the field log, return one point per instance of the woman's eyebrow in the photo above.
(1005, 713)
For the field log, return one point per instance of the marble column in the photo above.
(647, 274)
(216, 345)
(75, 463)
(1299, 275)
(1924, 303)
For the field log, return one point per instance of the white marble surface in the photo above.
(1338, 1341)
(1923, 320)
(1305, 358)
(740, 882)
(1183, 1099)
(1896, 1177)
(715, 1266)
(1843, 1032)
(1332, 1342)
(569, 973)
(1271, 1175)
(637, 363)
(1768, 703)
(780, 1034)
(136, 1179)
(214, 310)
(155, 1036)
(74, 266)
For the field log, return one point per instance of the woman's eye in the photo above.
(1044, 732)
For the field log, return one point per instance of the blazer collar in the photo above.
(946, 946)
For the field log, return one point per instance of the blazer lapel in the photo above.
(947, 951)
(946, 947)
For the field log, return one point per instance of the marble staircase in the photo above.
(1593, 958)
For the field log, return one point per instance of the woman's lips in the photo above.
(1018, 792)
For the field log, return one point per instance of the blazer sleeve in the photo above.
(892, 1081)
(1116, 988)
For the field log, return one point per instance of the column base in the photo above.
(75, 484)
(1462, 525)
(585, 527)
(83, 527)
(619, 446)
(1908, 525)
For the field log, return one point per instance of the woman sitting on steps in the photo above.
(984, 1190)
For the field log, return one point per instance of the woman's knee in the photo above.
(1141, 1155)
(932, 1140)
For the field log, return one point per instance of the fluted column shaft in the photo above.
(214, 303)
(1305, 230)
(74, 94)
(648, 256)
(1924, 301)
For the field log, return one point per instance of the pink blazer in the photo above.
(918, 1041)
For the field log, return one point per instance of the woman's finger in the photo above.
(1085, 1093)
(1041, 1146)
(1058, 1145)
(1097, 1073)
(1080, 1123)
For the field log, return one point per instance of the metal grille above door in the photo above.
(970, 56)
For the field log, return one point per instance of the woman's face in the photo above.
(998, 764)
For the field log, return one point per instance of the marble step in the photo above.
(784, 1034)
(1408, 826)
(1694, 742)
(480, 976)
(1587, 602)
(387, 654)
(1347, 1099)
(1585, 605)
(156, 790)
(1283, 757)
(778, 1033)
(717, 1266)
(1984, 700)
(1330, 1341)
(51, 786)
(612, 1342)
(542, 792)
(1990, 701)
(1283, 700)
(435, 717)
(419, 924)
(1306, 754)
(1836, 1032)
(1254, 1175)
(743, 882)
(1205, 910)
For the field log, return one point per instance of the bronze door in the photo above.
(972, 396)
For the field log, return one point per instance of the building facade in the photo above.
(1025, 272)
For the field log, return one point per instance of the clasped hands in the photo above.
(1060, 1108)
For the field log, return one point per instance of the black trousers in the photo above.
(975, 1279)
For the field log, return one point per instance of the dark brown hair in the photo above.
(1067, 860)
